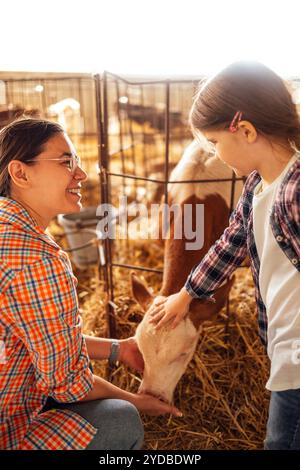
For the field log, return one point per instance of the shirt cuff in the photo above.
(198, 294)
(77, 391)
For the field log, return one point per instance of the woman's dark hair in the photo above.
(255, 90)
(23, 140)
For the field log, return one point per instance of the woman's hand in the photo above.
(175, 307)
(153, 406)
(130, 354)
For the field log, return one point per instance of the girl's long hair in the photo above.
(252, 88)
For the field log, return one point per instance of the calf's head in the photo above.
(167, 352)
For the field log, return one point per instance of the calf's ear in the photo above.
(140, 292)
(201, 310)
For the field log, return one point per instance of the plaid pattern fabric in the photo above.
(238, 240)
(44, 351)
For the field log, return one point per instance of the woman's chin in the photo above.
(75, 208)
(71, 208)
(73, 203)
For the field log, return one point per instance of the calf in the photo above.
(167, 352)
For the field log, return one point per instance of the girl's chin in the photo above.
(239, 173)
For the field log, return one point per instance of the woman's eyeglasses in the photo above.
(73, 161)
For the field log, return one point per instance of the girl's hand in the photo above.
(175, 307)
(153, 406)
(130, 354)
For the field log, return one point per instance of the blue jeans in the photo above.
(118, 422)
(283, 428)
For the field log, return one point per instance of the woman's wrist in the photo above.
(134, 399)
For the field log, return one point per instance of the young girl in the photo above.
(42, 350)
(247, 113)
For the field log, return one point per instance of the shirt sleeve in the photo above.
(291, 204)
(222, 259)
(45, 313)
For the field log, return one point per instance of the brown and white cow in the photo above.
(167, 352)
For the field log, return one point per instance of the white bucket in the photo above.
(80, 229)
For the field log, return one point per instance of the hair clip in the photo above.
(234, 123)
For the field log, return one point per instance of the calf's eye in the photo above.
(178, 358)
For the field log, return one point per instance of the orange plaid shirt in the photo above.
(42, 350)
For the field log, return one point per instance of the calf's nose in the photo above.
(148, 391)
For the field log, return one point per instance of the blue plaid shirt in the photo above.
(238, 240)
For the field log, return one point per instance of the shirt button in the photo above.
(279, 238)
(294, 261)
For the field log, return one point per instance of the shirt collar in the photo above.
(13, 213)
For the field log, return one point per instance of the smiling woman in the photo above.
(46, 365)
(45, 166)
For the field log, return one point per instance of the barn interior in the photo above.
(130, 132)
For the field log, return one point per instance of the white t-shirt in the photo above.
(279, 284)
